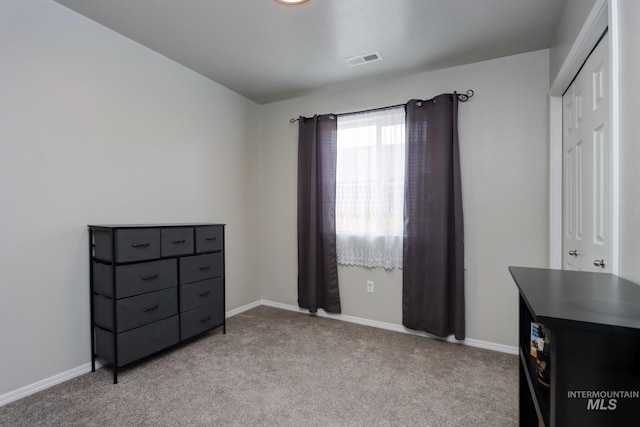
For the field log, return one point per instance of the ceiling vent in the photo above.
(364, 59)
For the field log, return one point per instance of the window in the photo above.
(370, 188)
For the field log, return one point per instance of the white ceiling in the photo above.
(269, 52)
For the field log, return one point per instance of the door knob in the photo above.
(573, 252)
(599, 263)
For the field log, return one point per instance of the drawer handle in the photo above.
(206, 319)
(139, 245)
(205, 268)
(204, 294)
(211, 238)
(178, 242)
(155, 307)
(154, 277)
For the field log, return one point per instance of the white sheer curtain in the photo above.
(370, 188)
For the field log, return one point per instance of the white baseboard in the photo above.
(242, 309)
(46, 383)
(83, 369)
(397, 328)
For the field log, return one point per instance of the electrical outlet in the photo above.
(370, 286)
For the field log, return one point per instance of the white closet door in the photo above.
(587, 166)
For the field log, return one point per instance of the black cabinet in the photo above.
(592, 325)
(153, 286)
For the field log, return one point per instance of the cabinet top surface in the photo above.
(189, 224)
(557, 296)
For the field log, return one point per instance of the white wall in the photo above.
(503, 139)
(573, 18)
(629, 38)
(95, 128)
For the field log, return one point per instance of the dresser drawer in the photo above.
(194, 295)
(135, 279)
(176, 241)
(131, 244)
(201, 267)
(201, 319)
(135, 311)
(139, 342)
(209, 238)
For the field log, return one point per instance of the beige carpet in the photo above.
(279, 368)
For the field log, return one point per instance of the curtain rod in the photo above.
(462, 97)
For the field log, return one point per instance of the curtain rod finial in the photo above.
(462, 97)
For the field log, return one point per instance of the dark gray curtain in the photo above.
(433, 252)
(317, 259)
